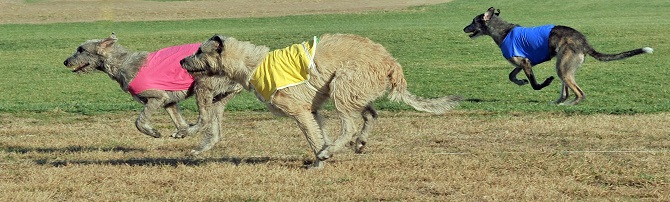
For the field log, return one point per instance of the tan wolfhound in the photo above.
(351, 70)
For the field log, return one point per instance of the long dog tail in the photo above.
(399, 93)
(618, 56)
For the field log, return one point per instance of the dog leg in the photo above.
(525, 64)
(212, 135)
(566, 65)
(369, 120)
(565, 92)
(512, 77)
(347, 132)
(312, 132)
(322, 126)
(347, 116)
(297, 102)
(579, 94)
(204, 100)
(210, 138)
(178, 120)
(143, 122)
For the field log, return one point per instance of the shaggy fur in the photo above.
(351, 70)
(122, 65)
(566, 44)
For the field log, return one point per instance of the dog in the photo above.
(351, 70)
(527, 47)
(135, 74)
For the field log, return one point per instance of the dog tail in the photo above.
(399, 93)
(623, 55)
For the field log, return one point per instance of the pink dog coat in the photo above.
(162, 70)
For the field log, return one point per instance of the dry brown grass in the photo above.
(411, 156)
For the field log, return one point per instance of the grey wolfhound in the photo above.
(351, 70)
(526, 47)
(160, 87)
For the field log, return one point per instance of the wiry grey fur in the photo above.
(122, 65)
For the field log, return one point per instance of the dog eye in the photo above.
(80, 49)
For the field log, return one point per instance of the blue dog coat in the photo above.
(528, 42)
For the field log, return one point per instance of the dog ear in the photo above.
(497, 13)
(108, 42)
(489, 13)
(219, 42)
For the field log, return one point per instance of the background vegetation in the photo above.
(438, 58)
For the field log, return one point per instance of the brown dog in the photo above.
(351, 70)
(526, 47)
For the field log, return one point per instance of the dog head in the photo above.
(479, 27)
(90, 55)
(207, 59)
(225, 56)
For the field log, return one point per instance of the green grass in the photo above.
(438, 58)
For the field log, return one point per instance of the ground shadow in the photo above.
(69, 149)
(479, 100)
(184, 161)
(166, 161)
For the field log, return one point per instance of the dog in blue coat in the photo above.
(526, 47)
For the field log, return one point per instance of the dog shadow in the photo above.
(69, 149)
(479, 100)
(174, 162)
(289, 162)
(161, 161)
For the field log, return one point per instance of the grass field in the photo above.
(71, 137)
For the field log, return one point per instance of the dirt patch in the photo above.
(51, 11)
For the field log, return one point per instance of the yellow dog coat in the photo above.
(283, 68)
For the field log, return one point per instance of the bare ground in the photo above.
(50, 11)
(411, 157)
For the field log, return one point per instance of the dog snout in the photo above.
(468, 28)
(66, 63)
(182, 61)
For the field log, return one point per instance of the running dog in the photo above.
(351, 70)
(154, 79)
(527, 47)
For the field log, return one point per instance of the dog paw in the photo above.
(548, 81)
(194, 129)
(194, 153)
(181, 133)
(360, 146)
(324, 155)
(154, 133)
(317, 165)
(521, 82)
